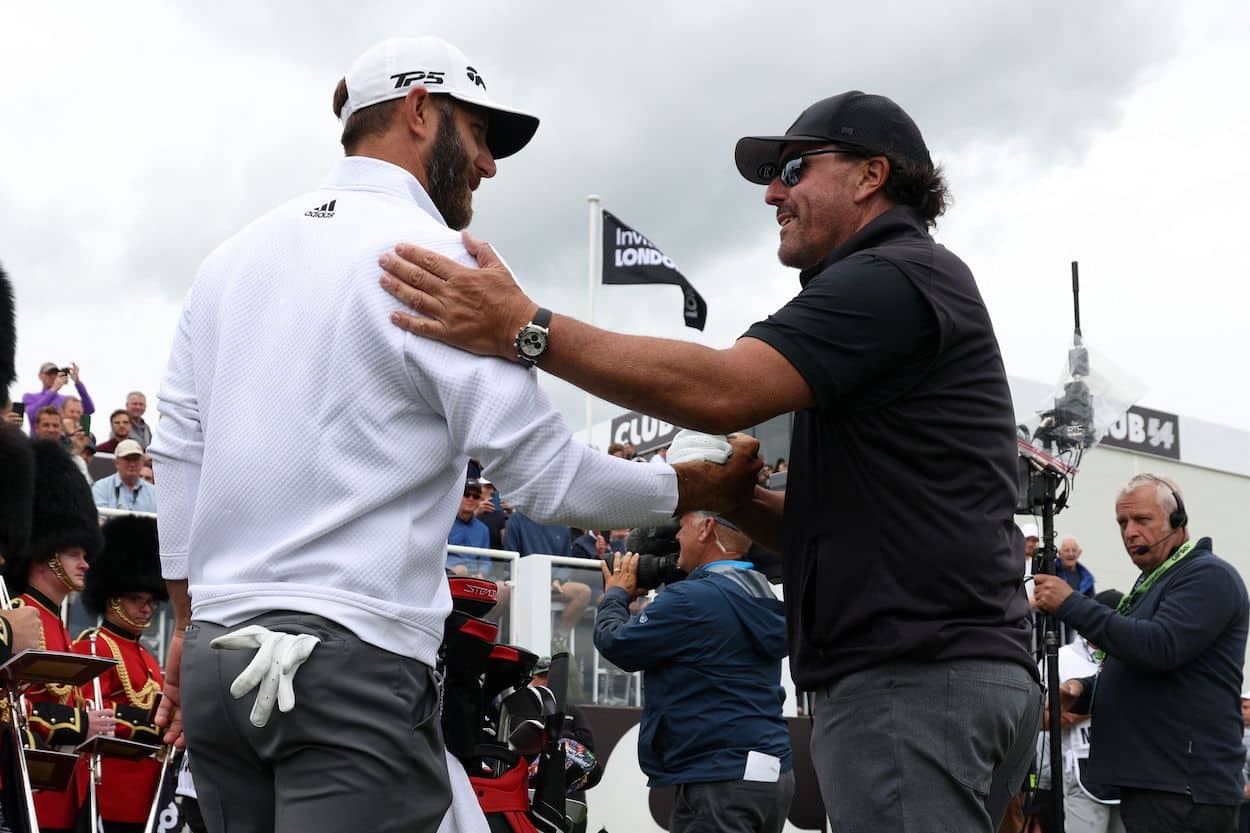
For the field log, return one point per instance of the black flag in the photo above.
(629, 257)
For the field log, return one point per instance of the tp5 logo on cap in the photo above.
(428, 77)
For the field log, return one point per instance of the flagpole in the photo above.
(594, 272)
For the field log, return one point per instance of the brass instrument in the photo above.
(17, 723)
(166, 772)
(94, 784)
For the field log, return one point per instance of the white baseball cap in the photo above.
(389, 69)
(1028, 529)
(127, 448)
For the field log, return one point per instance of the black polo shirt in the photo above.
(899, 536)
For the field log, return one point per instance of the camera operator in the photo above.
(710, 649)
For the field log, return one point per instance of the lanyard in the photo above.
(1142, 585)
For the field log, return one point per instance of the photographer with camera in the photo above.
(52, 379)
(710, 649)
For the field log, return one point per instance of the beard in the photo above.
(447, 171)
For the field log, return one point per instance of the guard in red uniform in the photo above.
(65, 533)
(124, 586)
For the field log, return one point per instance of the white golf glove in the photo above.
(690, 445)
(278, 657)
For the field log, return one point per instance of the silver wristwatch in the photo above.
(532, 340)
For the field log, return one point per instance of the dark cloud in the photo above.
(640, 103)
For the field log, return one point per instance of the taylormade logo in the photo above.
(634, 249)
(474, 77)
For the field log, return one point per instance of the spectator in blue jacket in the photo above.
(1078, 577)
(1165, 702)
(710, 649)
(1071, 570)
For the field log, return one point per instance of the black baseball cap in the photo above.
(872, 123)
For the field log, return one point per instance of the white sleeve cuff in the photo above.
(173, 567)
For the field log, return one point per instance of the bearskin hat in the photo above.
(17, 461)
(129, 563)
(8, 333)
(63, 514)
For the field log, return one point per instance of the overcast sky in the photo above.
(142, 134)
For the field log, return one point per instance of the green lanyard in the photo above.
(1142, 585)
(1145, 584)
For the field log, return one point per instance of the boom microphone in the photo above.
(1142, 549)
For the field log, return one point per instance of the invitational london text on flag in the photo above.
(629, 257)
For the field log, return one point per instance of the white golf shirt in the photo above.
(311, 455)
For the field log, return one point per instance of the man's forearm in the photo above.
(88, 407)
(679, 382)
(761, 518)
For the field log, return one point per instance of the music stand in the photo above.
(107, 746)
(50, 770)
(36, 667)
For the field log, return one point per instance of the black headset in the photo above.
(1179, 516)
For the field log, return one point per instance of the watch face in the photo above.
(532, 343)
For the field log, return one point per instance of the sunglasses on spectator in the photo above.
(792, 169)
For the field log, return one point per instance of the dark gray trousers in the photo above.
(362, 750)
(1154, 811)
(925, 747)
(732, 806)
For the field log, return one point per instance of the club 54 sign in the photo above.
(646, 433)
(1146, 431)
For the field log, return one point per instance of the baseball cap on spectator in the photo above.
(48, 367)
(389, 69)
(542, 666)
(473, 485)
(1245, 695)
(482, 481)
(859, 121)
(1028, 530)
(128, 448)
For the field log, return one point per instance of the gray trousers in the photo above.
(925, 747)
(732, 806)
(362, 750)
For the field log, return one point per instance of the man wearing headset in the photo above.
(1166, 698)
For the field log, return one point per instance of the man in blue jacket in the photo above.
(1165, 702)
(710, 649)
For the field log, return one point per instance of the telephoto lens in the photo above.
(657, 549)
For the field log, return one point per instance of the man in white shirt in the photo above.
(346, 543)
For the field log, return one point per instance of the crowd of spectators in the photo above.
(484, 520)
(66, 418)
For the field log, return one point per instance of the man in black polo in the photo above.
(905, 608)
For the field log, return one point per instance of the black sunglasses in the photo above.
(792, 170)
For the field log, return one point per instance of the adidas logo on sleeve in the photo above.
(326, 210)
